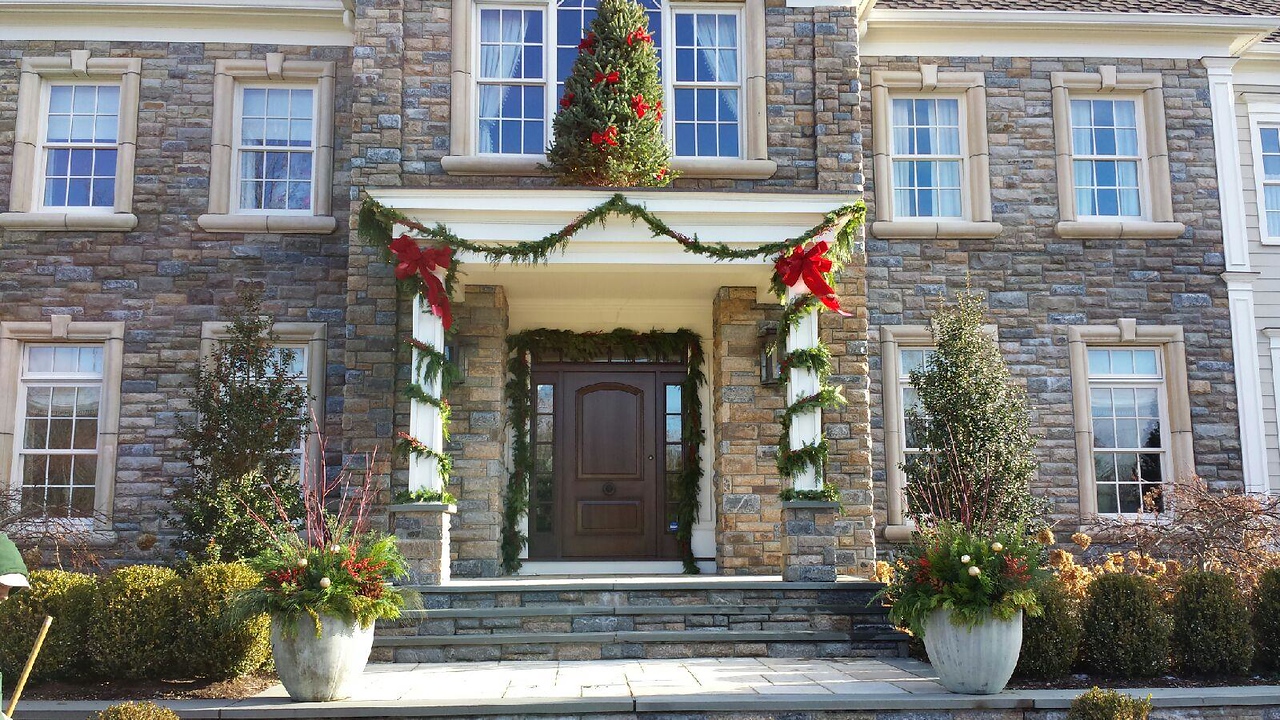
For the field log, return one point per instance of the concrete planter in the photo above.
(976, 660)
(318, 669)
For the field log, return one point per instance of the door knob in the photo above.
(651, 457)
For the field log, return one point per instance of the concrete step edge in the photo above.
(606, 638)
(585, 610)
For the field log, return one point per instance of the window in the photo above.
(930, 169)
(673, 456)
(1113, 155)
(903, 348)
(926, 157)
(271, 168)
(1129, 444)
(519, 55)
(276, 145)
(1105, 159)
(75, 143)
(1132, 416)
(1269, 178)
(60, 383)
(80, 146)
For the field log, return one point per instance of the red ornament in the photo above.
(567, 100)
(639, 105)
(411, 260)
(639, 34)
(608, 137)
(588, 43)
(661, 174)
(657, 110)
(809, 265)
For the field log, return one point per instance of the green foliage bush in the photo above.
(1126, 630)
(137, 711)
(1266, 620)
(134, 621)
(68, 598)
(1051, 642)
(1099, 704)
(213, 644)
(1211, 633)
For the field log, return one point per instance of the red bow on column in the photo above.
(411, 260)
(809, 265)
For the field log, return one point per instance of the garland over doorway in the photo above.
(803, 269)
(584, 347)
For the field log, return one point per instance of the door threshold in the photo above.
(610, 567)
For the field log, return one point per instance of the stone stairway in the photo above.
(639, 617)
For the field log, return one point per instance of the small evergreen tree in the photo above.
(250, 419)
(972, 425)
(608, 131)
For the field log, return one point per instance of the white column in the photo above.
(806, 428)
(1239, 276)
(425, 422)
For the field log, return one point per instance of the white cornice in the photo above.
(1024, 33)
(285, 22)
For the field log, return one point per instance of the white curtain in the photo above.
(498, 62)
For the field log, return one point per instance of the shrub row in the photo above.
(1125, 628)
(139, 622)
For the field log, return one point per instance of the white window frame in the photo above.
(1144, 174)
(42, 149)
(548, 82)
(927, 82)
(1262, 114)
(1159, 382)
(1175, 403)
(26, 189)
(962, 157)
(1154, 182)
(238, 148)
(14, 338)
(670, 10)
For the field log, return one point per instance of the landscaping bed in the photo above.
(238, 688)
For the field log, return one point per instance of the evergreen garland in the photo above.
(583, 347)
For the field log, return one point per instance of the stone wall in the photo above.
(1039, 284)
(167, 276)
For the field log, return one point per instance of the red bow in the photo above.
(811, 265)
(600, 77)
(639, 105)
(657, 109)
(411, 260)
(567, 100)
(588, 43)
(639, 34)
(608, 137)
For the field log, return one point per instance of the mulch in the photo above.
(1084, 682)
(234, 689)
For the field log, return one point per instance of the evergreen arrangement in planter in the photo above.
(608, 131)
(250, 419)
(1211, 634)
(1126, 630)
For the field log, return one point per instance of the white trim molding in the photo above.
(1244, 346)
(1273, 337)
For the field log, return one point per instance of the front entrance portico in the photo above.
(608, 508)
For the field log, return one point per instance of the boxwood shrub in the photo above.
(1211, 633)
(137, 711)
(212, 644)
(1098, 704)
(1050, 642)
(1126, 630)
(134, 623)
(68, 598)
(1266, 621)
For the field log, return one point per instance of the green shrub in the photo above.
(1050, 642)
(137, 711)
(1211, 633)
(1099, 704)
(1266, 620)
(1126, 631)
(68, 598)
(134, 618)
(212, 644)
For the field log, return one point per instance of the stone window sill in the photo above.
(1118, 229)
(933, 229)
(315, 224)
(104, 222)
(529, 166)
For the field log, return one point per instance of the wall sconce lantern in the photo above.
(455, 353)
(772, 353)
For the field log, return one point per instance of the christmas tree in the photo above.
(608, 131)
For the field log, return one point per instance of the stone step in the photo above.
(576, 610)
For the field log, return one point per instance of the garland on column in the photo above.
(583, 347)
(432, 273)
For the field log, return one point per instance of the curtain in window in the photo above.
(500, 62)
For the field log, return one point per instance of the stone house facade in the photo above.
(394, 102)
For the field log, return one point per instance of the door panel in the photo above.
(610, 428)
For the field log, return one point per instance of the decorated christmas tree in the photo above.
(608, 131)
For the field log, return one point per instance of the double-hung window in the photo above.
(910, 359)
(275, 141)
(1267, 171)
(1105, 157)
(1130, 439)
(525, 52)
(927, 158)
(80, 146)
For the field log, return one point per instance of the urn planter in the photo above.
(977, 660)
(318, 669)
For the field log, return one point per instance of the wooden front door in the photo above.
(607, 497)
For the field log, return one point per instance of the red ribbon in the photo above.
(640, 106)
(611, 78)
(412, 260)
(641, 34)
(567, 100)
(810, 265)
(588, 43)
(608, 137)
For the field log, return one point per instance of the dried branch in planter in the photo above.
(1207, 529)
